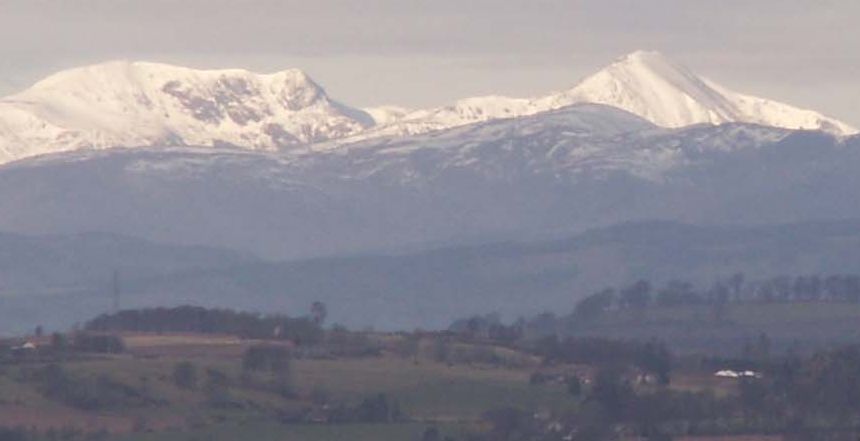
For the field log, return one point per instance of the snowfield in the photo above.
(134, 104)
(145, 104)
(270, 165)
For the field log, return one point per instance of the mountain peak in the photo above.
(137, 103)
(649, 84)
(127, 103)
(652, 63)
(139, 72)
(645, 57)
(645, 83)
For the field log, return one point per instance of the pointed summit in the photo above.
(654, 58)
(649, 84)
(645, 83)
(125, 103)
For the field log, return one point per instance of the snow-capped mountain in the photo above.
(646, 84)
(509, 179)
(463, 112)
(133, 104)
(650, 85)
(383, 115)
(578, 141)
(580, 166)
(301, 175)
(143, 104)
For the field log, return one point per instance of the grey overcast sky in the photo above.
(421, 53)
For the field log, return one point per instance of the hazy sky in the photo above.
(422, 53)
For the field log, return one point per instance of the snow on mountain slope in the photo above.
(386, 114)
(579, 140)
(580, 166)
(129, 104)
(134, 103)
(644, 83)
(465, 111)
(670, 95)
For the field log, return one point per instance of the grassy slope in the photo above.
(427, 392)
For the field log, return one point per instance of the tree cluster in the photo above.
(488, 327)
(734, 289)
(651, 357)
(301, 330)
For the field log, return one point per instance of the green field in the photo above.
(427, 390)
(451, 397)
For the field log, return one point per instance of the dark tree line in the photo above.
(813, 398)
(488, 327)
(731, 290)
(301, 330)
(650, 357)
(819, 390)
